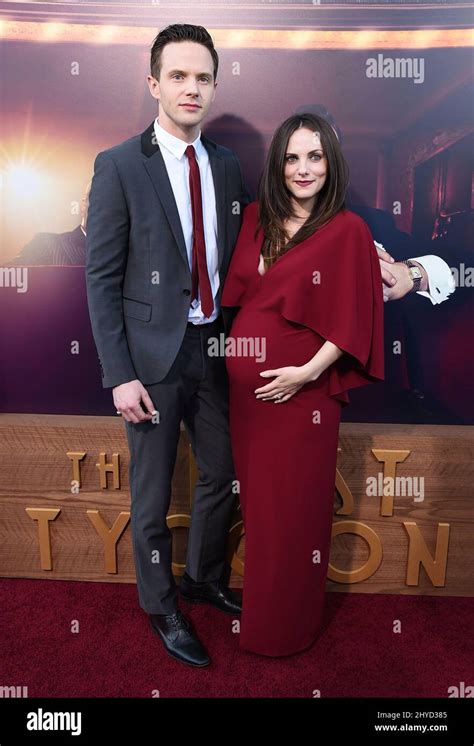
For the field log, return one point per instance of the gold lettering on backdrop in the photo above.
(346, 495)
(110, 536)
(375, 552)
(76, 457)
(113, 467)
(390, 459)
(44, 516)
(178, 520)
(235, 537)
(418, 554)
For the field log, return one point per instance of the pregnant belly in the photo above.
(263, 340)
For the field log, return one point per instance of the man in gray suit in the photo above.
(164, 215)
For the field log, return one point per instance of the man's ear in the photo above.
(153, 86)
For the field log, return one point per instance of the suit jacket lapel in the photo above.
(218, 175)
(156, 168)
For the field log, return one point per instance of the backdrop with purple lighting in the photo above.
(397, 81)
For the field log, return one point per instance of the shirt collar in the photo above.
(173, 144)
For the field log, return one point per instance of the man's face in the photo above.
(186, 87)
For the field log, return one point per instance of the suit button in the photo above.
(186, 292)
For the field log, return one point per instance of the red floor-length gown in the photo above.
(328, 287)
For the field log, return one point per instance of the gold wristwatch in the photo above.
(415, 274)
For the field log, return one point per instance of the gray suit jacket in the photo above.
(137, 270)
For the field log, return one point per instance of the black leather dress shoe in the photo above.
(214, 593)
(179, 639)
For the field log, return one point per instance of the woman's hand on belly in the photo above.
(286, 383)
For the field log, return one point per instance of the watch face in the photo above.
(415, 273)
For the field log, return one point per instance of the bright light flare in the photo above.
(23, 180)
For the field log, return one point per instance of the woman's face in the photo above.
(305, 164)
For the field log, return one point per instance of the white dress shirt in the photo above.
(440, 278)
(177, 166)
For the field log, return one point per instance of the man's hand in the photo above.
(404, 283)
(386, 262)
(396, 277)
(127, 399)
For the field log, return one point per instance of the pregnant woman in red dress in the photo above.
(306, 281)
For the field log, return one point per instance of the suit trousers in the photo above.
(194, 391)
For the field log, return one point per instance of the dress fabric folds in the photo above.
(328, 287)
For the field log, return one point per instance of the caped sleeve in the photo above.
(339, 296)
(242, 271)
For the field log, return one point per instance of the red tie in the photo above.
(200, 277)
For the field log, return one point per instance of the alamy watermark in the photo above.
(13, 692)
(396, 487)
(64, 721)
(14, 277)
(396, 67)
(237, 347)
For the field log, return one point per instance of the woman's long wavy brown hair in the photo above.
(275, 199)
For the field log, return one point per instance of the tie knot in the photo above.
(190, 152)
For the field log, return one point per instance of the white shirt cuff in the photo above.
(440, 279)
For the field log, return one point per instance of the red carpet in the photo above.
(115, 654)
